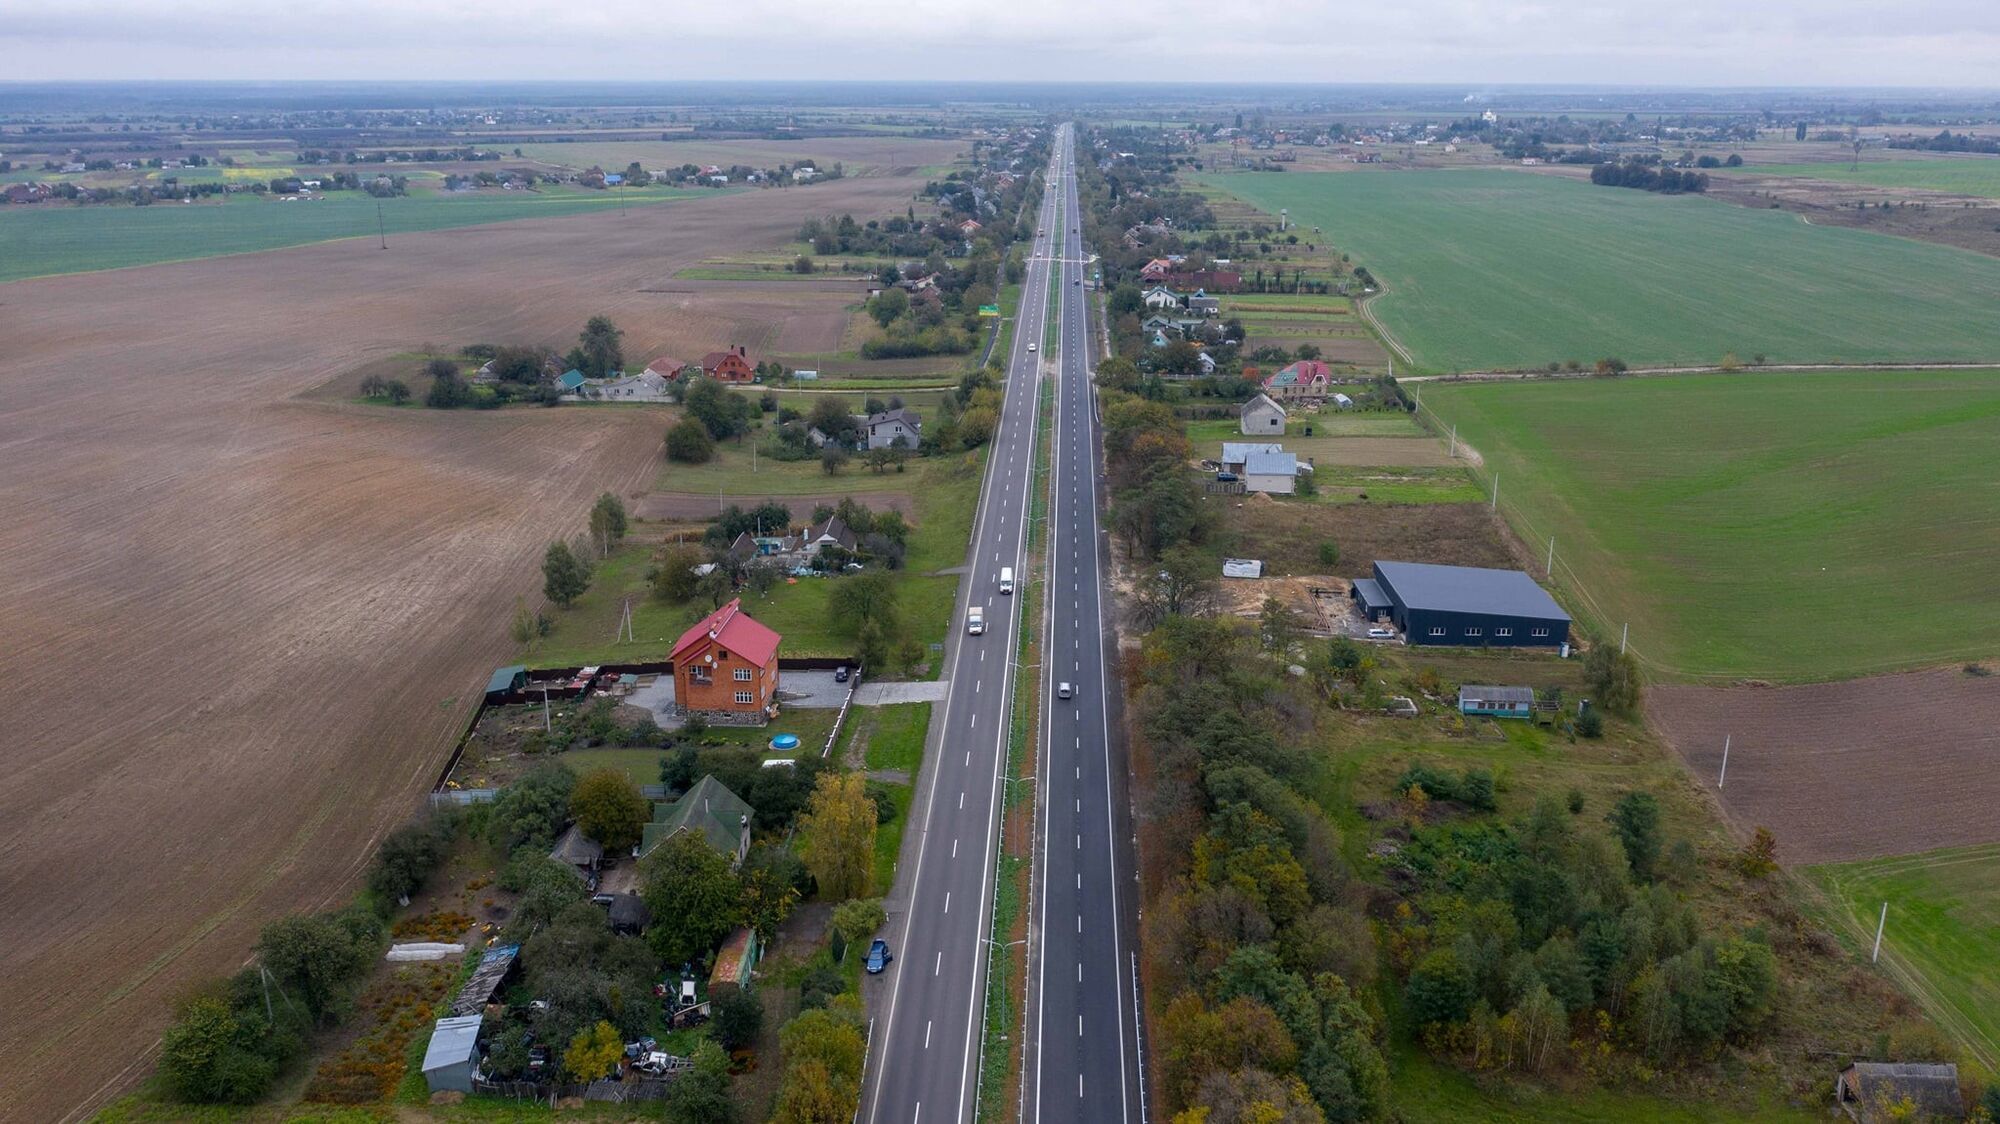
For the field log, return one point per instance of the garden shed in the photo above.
(453, 1055)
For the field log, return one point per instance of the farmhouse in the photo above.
(1260, 416)
(832, 533)
(721, 816)
(666, 368)
(731, 366)
(649, 386)
(1160, 297)
(1497, 702)
(726, 668)
(894, 429)
(1276, 473)
(1869, 1091)
(1463, 606)
(1201, 304)
(1307, 380)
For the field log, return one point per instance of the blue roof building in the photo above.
(571, 381)
(1462, 606)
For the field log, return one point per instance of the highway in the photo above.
(924, 1049)
(1082, 1041)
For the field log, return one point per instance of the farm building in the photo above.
(726, 668)
(721, 816)
(1261, 416)
(1235, 454)
(506, 681)
(570, 382)
(1276, 473)
(453, 1055)
(1497, 702)
(1872, 1091)
(578, 850)
(1462, 606)
(666, 367)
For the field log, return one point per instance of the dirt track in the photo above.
(241, 625)
(1871, 767)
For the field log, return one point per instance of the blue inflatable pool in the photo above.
(785, 741)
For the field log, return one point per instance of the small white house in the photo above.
(894, 429)
(1261, 417)
(1276, 473)
(1160, 298)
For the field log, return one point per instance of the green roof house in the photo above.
(721, 816)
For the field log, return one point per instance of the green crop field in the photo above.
(1493, 268)
(1782, 526)
(1943, 932)
(1968, 175)
(50, 238)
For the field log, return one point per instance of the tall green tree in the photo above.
(609, 808)
(693, 895)
(838, 832)
(602, 351)
(564, 575)
(608, 523)
(1635, 819)
(318, 959)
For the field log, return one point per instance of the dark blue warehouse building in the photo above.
(1462, 606)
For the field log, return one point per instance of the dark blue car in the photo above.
(878, 957)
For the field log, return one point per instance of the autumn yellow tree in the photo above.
(594, 1053)
(838, 831)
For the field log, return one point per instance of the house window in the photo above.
(1437, 630)
(743, 697)
(1539, 632)
(698, 674)
(1503, 632)
(1472, 631)
(743, 674)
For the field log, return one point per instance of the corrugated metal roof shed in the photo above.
(1478, 695)
(1468, 589)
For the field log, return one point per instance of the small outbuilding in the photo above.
(1261, 417)
(1872, 1091)
(453, 1055)
(506, 681)
(1276, 473)
(578, 850)
(1497, 702)
(735, 960)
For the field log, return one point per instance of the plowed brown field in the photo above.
(1838, 771)
(239, 627)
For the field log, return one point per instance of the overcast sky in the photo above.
(1629, 42)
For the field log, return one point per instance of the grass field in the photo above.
(1782, 526)
(1943, 933)
(47, 239)
(1505, 269)
(1971, 175)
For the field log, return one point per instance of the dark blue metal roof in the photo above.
(1370, 593)
(1468, 589)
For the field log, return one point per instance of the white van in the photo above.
(1007, 579)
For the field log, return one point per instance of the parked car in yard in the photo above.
(878, 957)
(840, 674)
(1381, 634)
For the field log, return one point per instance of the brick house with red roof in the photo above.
(726, 668)
(731, 366)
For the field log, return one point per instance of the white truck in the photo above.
(975, 621)
(1007, 579)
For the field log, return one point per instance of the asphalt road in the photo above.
(924, 1049)
(1082, 1060)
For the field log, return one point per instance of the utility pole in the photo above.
(1623, 634)
(1549, 571)
(1496, 492)
(546, 726)
(1454, 439)
(381, 228)
(1881, 924)
(1724, 774)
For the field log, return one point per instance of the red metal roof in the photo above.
(733, 629)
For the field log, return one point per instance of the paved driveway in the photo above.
(889, 694)
(811, 690)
